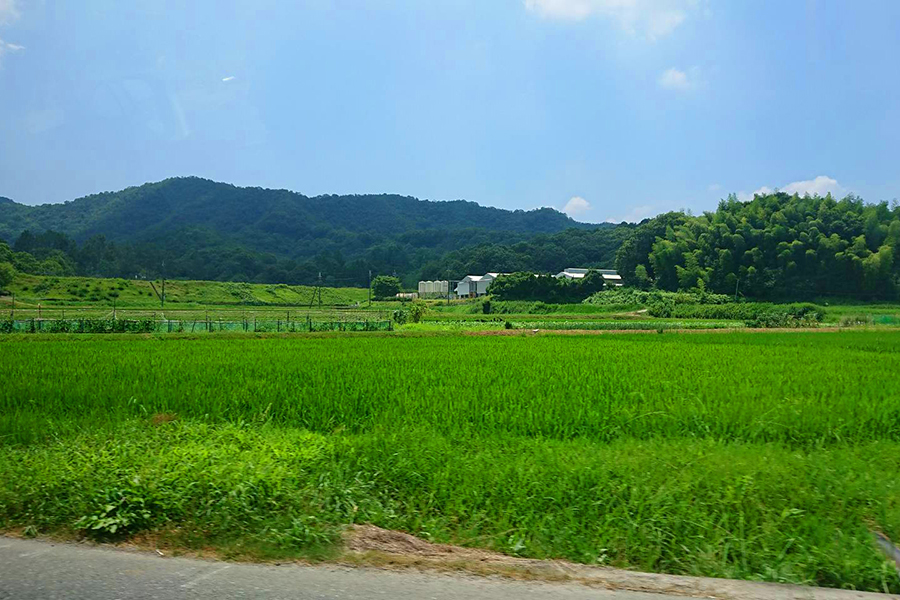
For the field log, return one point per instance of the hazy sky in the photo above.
(612, 109)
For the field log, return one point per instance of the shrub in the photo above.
(385, 286)
(400, 316)
(119, 512)
(417, 310)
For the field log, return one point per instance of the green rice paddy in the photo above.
(769, 456)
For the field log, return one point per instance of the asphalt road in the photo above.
(41, 570)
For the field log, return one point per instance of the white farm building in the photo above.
(610, 276)
(475, 285)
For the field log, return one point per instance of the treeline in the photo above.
(202, 229)
(546, 288)
(194, 255)
(775, 246)
(201, 254)
(540, 254)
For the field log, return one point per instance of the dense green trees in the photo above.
(546, 288)
(206, 230)
(7, 274)
(385, 286)
(199, 255)
(542, 253)
(775, 246)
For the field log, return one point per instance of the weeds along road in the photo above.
(32, 570)
(37, 570)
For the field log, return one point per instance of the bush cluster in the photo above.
(760, 312)
(636, 297)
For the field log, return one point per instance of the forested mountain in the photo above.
(263, 219)
(207, 230)
(775, 246)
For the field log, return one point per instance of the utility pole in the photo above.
(737, 283)
(370, 287)
(317, 292)
(162, 297)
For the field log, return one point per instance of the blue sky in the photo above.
(610, 109)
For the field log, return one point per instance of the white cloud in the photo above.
(635, 215)
(7, 47)
(576, 205)
(819, 186)
(673, 79)
(662, 23)
(714, 187)
(229, 78)
(9, 11)
(676, 79)
(649, 18)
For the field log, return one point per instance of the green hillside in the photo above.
(262, 218)
(31, 290)
(202, 229)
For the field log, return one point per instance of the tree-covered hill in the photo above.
(206, 230)
(262, 219)
(775, 246)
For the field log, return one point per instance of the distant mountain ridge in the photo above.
(154, 210)
(203, 229)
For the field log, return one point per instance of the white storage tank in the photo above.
(421, 289)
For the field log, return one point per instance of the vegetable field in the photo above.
(763, 456)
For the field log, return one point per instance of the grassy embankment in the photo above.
(93, 297)
(735, 455)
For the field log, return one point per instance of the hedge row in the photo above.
(745, 311)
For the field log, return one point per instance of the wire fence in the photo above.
(255, 325)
